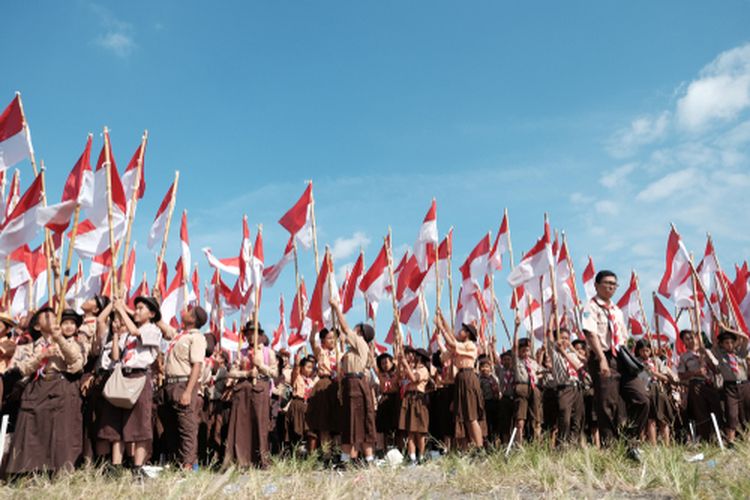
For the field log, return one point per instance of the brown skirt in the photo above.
(660, 408)
(323, 407)
(49, 429)
(135, 424)
(358, 426)
(387, 415)
(249, 423)
(442, 420)
(468, 403)
(296, 426)
(415, 413)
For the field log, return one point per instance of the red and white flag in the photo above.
(21, 225)
(678, 265)
(279, 335)
(272, 273)
(230, 265)
(666, 326)
(257, 263)
(374, 282)
(320, 311)
(78, 189)
(588, 277)
(427, 239)
(15, 139)
(131, 174)
(98, 213)
(159, 226)
(185, 244)
(567, 297)
(501, 244)
(196, 284)
(630, 306)
(741, 287)
(14, 194)
(93, 240)
(475, 266)
(141, 291)
(245, 281)
(177, 297)
(299, 324)
(352, 282)
(535, 263)
(298, 220)
(729, 303)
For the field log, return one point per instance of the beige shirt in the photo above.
(727, 373)
(184, 350)
(87, 335)
(464, 354)
(355, 359)
(422, 376)
(604, 321)
(690, 361)
(140, 351)
(521, 373)
(63, 356)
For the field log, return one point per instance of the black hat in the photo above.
(249, 327)
(35, 317)
(471, 329)
(71, 314)
(368, 332)
(727, 334)
(102, 301)
(200, 316)
(152, 304)
(423, 355)
(578, 342)
(524, 342)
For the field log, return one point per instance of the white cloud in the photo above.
(118, 36)
(720, 93)
(641, 131)
(580, 199)
(617, 176)
(345, 247)
(607, 207)
(668, 185)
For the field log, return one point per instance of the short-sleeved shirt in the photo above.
(355, 359)
(140, 352)
(690, 361)
(605, 320)
(184, 350)
(740, 358)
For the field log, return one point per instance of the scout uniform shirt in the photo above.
(67, 356)
(526, 371)
(356, 357)
(139, 352)
(507, 381)
(422, 375)
(565, 371)
(733, 366)
(87, 336)
(185, 349)
(690, 361)
(606, 322)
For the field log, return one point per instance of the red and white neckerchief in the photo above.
(572, 372)
(43, 363)
(508, 378)
(387, 380)
(130, 350)
(732, 361)
(333, 363)
(651, 365)
(609, 310)
(530, 371)
(176, 339)
(309, 384)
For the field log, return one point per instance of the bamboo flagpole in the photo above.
(656, 324)
(256, 308)
(48, 248)
(450, 292)
(502, 320)
(133, 202)
(163, 249)
(696, 306)
(112, 242)
(314, 227)
(725, 289)
(69, 260)
(396, 315)
(643, 311)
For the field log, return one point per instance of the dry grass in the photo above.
(533, 472)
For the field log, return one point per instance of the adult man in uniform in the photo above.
(606, 333)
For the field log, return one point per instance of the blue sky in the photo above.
(615, 118)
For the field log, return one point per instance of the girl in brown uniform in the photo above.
(303, 381)
(389, 405)
(323, 406)
(468, 404)
(48, 434)
(414, 418)
(249, 419)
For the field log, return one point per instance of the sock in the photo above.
(345, 457)
(413, 457)
(369, 458)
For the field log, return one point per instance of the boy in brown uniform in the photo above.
(182, 366)
(358, 426)
(604, 326)
(695, 369)
(732, 356)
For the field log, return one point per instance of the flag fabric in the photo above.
(230, 265)
(501, 244)
(185, 244)
(427, 239)
(666, 325)
(298, 220)
(630, 306)
(741, 286)
(588, 277)
(78, 189)
(15, 139)
(475, 266)
(271, 273)
(352, 282)
(279, 335)
(257, 262)
(14, 194)
(176, 298)
(375, 280)
(196, 284)
(93, 240)
(320, 309)
(535, 263)
(729, 303)
(103, 193)
(21, 226)
(159, 226)
(245, 280)
(677, 265)
(131, 172)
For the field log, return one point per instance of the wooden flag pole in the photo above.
(643, 311)
(69, 260)
(450, 292)
(32, 159)
(493, 305)
(730, 316)
(576, 299)
(437, 276)
(656, 324)
(134, 201)
(48, 248)
(396, 316)
(513, 266)
(256, 308)
(696, 306)
(112, 242)
(425, 319)
(314, 228)
(163, 249)
(502, 320)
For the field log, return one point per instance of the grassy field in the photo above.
(528, 473)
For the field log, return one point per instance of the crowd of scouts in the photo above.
(340, 400)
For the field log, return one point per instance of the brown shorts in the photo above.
(528, 403)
